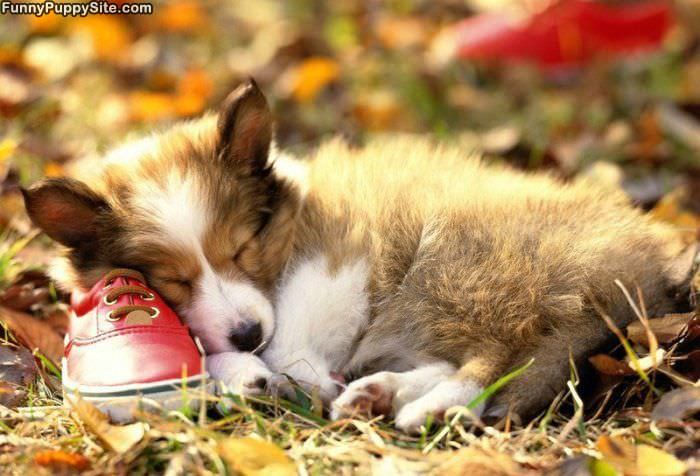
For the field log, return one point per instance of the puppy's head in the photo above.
(198, 209)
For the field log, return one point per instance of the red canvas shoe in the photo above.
(126, 350)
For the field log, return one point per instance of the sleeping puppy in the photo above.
(416, 268)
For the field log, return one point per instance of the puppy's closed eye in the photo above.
(185, 283)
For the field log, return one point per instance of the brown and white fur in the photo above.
(415, 267)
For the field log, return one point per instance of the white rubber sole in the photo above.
(122, 403)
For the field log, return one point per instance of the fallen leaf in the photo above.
(149, 106)
(311, 76)
(618, 452)
(193, 91)
(665, 328)
(21, 297)
(119, 439)
(477, 462)
(17, 371)
(16, 365)
(655, 462)
(253, 457)
(33, 333)
(61, 460)
(677, 404)
(7, 148)
(673, 208)
(109, 35)
(181, 16)
(53, 169)
(378, 110)
(609, 366)
(600, 467)
(640, 460)
(397, 33)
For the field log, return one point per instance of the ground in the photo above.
(74, 86)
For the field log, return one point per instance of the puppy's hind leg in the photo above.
(550, 370)
(460, 389)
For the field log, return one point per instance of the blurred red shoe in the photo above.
(126, 350)
(567, 33)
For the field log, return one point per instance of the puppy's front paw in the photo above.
(447, 394)
(242, 374)
(369, 396)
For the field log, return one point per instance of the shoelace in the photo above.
(114, 294)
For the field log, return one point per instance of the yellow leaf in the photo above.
(148, 106)
(7, 148)
(670, 209)
(655, 462)
(53, 169)
(312, 76)
(253, 457)
(119, 439)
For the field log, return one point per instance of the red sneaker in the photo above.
(127, 350)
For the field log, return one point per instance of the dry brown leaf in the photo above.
(21, 297)
(17, 371)
(60, 460)
(253, 457)
(477, 462)
(609, 366)
(33, 333)
(16, 365)
(120, 439)
(665, 328)
(677, 404)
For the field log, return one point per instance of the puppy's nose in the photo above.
(247, 337)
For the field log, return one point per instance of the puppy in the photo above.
(416, 268)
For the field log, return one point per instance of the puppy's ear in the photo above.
(245, 129)
(66, 210)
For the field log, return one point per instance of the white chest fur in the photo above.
(319, 314)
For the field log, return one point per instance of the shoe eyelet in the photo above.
(156, 312)
(148, 297)
(108, 302)
(110, 318)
